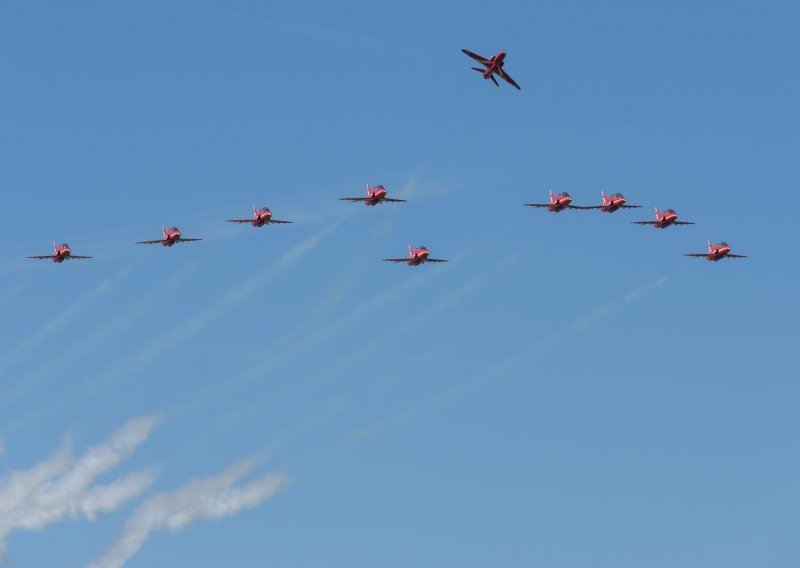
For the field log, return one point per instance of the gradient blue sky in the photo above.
(568, 391)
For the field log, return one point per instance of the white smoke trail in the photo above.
(60, 486)
(200, 499)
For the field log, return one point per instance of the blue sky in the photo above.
(568, 391)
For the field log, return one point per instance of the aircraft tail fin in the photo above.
(367, 189)
(603, 193)
(164, 230)
(709, 246)
(55, 246)
(255, 210)
(552, 197)
(410, 250)
(478, 69)
(656, 211)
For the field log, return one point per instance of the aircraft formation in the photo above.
(493, 67)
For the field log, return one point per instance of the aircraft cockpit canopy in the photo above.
(723, 244)
(174, 229)
(265, 208)
(669, 211)
(617, 195)
(64, 246)
(379, 186)
(565, 194)
(423, 247)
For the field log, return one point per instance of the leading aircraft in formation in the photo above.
(557, 202)
(61, 253)
(374, 196)
(610, 203)
(492, 67)
(716, 252)
(261, 217)
(416, 256)
(663, 220)
(171, 236)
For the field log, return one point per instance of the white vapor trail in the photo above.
(209, 498)
(505, 367)
(193, 325)
(60, 486)
(72, 310)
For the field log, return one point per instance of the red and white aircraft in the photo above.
(416, 256)
(260, 218)
(492, 67)
(557, 202)
(374, 196)
(610, 203)
(171, 236)
(717, 252)
(663, 220)
(62, 252)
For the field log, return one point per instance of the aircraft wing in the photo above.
(240, 220)
(158, 242)
(76, 257)
(508, 79)
(475, 56)
(629, 207)
(735, 255)
(682, 223)
(354, 199)
(434, 260)
(396, 259)
(496, 84)
(393, 200)
(584, 206)
(643, 222)
(698, 255)
(43, 257)
(182, 240)
(275, 221)
(537, 204)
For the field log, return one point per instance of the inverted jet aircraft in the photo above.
(663, 220)
(557, 202)
(374, 196)
(261, 217)
(492, 67)
(61, 253)
(610, 203)
(171, 236)
(717, 252)
(416, 256)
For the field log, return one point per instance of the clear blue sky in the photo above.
(568, 391)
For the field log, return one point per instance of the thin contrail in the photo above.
(491, 374)
(72, 310)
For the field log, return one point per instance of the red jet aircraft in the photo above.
(557, 202)
(171, 236)
(492, 67)
(663, 220)
(717, 252)
(416, 256)
(62, 252)
(374, 196)
(260, 218)
(610, 203)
